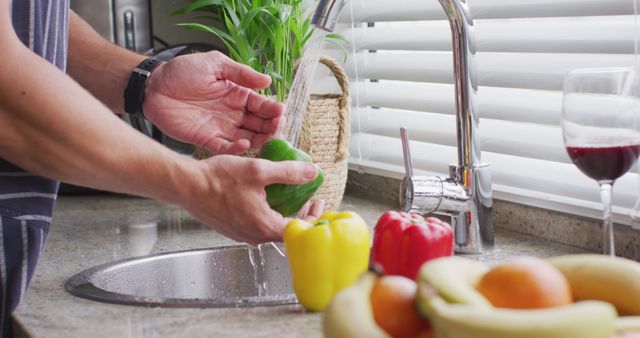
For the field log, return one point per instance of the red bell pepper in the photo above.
(402, 242)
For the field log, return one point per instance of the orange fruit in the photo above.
(394, 308)
(525, 283)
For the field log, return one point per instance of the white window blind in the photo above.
(402, 75)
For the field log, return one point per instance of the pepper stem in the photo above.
(322, 222)
(408, 217)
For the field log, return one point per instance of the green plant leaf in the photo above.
(335, 36)
(226, 38)
(231, 12)
(249, 17)
(196, 5)
(343, 49)
(285, 12)
(208, 17)
(275, 75)
(213, 30)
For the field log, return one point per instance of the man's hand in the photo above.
(208, 100)
(231, 197)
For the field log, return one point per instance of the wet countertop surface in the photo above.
(92, 230)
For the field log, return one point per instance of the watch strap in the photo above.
(134, 92)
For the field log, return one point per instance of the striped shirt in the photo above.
(27, 200)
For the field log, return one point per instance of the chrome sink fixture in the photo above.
(232, 276)
(327, 13)
(466, 195)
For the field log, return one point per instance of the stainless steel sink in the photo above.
(233, 276)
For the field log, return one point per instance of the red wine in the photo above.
(604, 163)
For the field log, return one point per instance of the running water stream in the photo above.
(262, 261)
(296, 107)
(298, 98)
(257, 262)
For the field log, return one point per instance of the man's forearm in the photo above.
(51, 126)
(100, 66)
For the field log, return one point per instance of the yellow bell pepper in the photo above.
(326, 255)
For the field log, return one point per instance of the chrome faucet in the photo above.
(327, 13)
(466, 195)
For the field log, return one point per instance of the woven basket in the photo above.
(325, 136)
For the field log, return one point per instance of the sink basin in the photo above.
(232, 276)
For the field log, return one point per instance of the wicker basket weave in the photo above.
(325, 136)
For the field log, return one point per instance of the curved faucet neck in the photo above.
(464, 50)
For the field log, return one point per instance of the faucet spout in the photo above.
(464, 67)
(327, 13)
(465, 195)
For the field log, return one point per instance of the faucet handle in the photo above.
(406, 152)
(425, 194)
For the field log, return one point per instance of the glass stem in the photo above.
(605, 195)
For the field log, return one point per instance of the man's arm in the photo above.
(100, 66)
(51, 126)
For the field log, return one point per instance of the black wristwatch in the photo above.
(134, 93)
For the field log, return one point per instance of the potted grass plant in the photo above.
(267, 35)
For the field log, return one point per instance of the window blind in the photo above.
(401, 70)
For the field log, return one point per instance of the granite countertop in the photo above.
(93, 230)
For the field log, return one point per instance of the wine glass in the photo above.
(599, 127)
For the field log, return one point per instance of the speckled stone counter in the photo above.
(93, 230)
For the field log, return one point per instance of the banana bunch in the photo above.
(611, 279)
(601, 285)
(350, 315)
